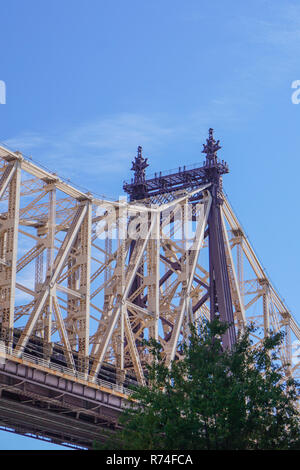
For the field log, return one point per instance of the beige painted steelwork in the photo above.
(69, 262)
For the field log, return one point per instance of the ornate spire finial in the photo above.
(139, 152)
(211, 147)
(139, 165)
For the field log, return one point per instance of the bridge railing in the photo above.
(6, 353)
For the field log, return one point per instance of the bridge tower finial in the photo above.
(211, 147)
(138, 166)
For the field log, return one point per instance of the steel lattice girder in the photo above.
(68, 267)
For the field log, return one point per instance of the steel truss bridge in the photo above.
(84, 280)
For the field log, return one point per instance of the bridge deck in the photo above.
(53, 405)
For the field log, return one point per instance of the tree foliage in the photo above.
(213, 399)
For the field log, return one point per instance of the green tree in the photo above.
(213, 399)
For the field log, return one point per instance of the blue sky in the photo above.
(87, 82)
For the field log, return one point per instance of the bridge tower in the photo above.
(84, 279)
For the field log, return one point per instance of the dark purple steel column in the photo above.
(219, 289)
(139, 166)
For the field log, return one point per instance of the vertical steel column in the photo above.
(139, 166)
(40, 327)
(83, 317)
(237, 301)
(153, 262)
(240, 267)
(120, 272)
(51, 226)
(286, 322)
(9, 245)
(266, 305)
(72, 302)
(39, 270)
(220, 294)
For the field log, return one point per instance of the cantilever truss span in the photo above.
(84, 280)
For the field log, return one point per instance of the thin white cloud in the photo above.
(94, 154)
(109, 143)
(26, 141)
(110, 140)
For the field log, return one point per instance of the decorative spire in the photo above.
(138, 166)
(211, 147)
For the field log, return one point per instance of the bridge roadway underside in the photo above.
(48, 405)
